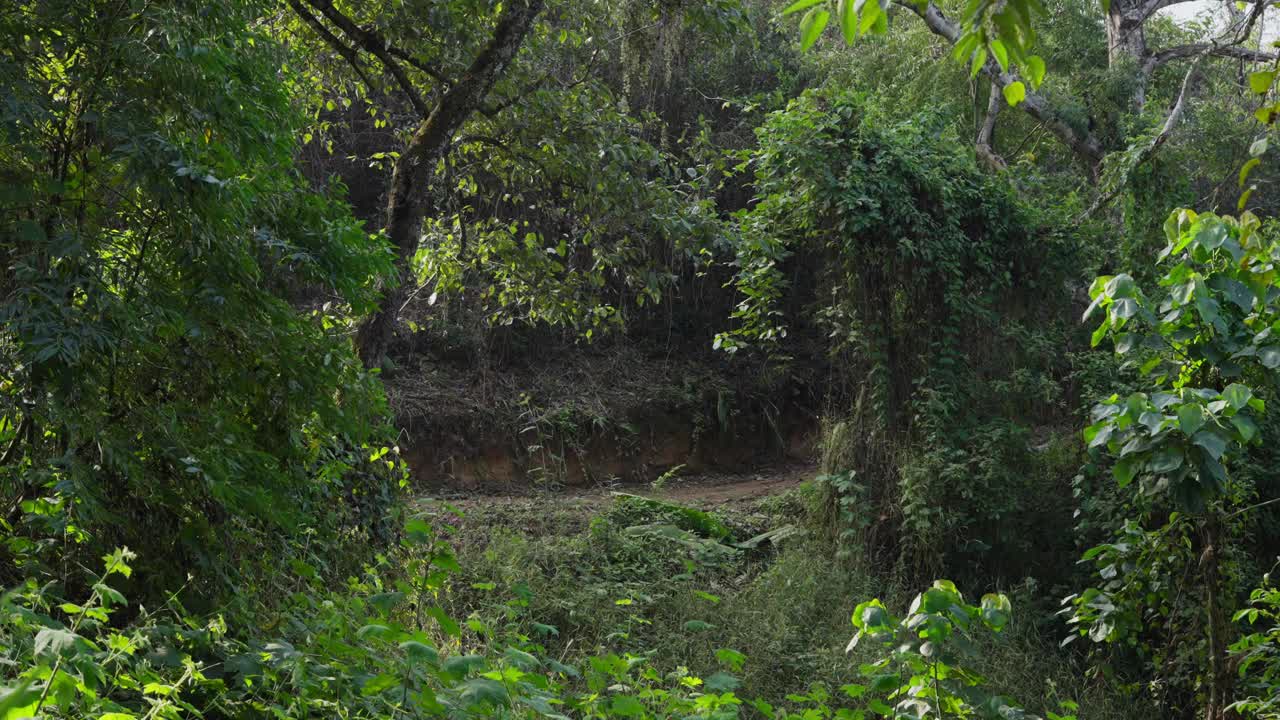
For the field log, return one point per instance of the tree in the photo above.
(158, 386)
(440, 102)
(1205, 345)
(997, 39)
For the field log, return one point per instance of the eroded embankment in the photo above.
(597, 419)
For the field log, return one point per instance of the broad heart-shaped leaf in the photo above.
(1213, 477)
(1234, 290)
(1014, 93)
(477, 691)
(1165, 460)
(1237, 395)
(722, 682)
(420, 652)
(460, 665)
(1245, 426)
(1212, 442)
(626, 706)
(1260, 82)
(1125, 470)
(812, 25)
(521, 659)
(1190, 419)
(379, 683)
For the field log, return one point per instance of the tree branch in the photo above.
(374, 44)
(492, 109)
(1195, 49)
(984, 143)
(1170, 122)
(1082, 143)
(345, 51)
(1222, 47)
(1151, 7)
(433, 72)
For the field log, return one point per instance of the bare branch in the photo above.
(1151, 7)
(1198, 49)
(1228, 46)
(984, 144)
(1082, 143)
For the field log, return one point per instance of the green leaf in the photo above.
(979, 59)
(1125, 470)
(1259, 147)
(1034, 67)
(460, 666)
(484, 691)
(18, 702)
(1237, 395)
(1014, 93)
(1099, 333)
(800, 5)
(1245, 425)
(848, 20)
(626, 706)
(1212, 442)
(812, 25)
(447, 623)
(1190, 419)
(420, 652)
(379, 684)
(53, 642)
(1001, 54)
(872, 14)
(1244, 170)
(1165, 460)
(1260, 82)
(722, 682)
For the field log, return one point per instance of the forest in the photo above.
(650, 359)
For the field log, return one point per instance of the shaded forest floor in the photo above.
(704, 490)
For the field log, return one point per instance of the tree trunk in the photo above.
(1127, 45)
(409, 201)
(1219, 681)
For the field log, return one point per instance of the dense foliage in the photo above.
(246, 247)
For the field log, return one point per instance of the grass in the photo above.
(612, 576)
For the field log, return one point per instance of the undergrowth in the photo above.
(606, 581)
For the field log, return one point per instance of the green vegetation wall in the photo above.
(942, 303)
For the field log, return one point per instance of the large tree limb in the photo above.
(1192, 50)
(1230, 45)
(1145, 10)
(1081, 142)
(409, 201)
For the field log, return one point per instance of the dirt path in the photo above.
(696, 489)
